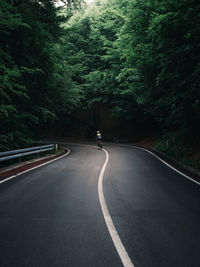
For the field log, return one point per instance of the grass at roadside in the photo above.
(172, 148)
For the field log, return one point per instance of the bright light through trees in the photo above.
(89, 1)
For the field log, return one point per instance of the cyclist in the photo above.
(99, 140)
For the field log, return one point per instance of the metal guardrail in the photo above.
(18, 153)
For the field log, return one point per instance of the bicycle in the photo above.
(99, 144)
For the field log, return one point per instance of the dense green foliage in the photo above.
(164, 51)
(141, 59)
(32, 82)
(136, 59)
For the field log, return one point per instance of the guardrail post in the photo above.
(56, 147)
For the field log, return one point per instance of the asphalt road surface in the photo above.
(51, 216)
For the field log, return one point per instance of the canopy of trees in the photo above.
(35, 86)
(137, 58)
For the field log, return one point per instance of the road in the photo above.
(51, 216)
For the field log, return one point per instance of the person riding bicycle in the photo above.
(99, 139)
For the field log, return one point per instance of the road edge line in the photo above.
(169, 165)
(18, 174)
(108, 220)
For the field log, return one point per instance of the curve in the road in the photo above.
(131, 187)
(109, 223)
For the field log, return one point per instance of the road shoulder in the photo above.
(28, 165)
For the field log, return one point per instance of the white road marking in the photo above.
(167, 164)
(11, 177)
(109, 223)
(170, 166)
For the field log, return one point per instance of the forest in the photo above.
(130, 68)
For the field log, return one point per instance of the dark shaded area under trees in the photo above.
(130, 68)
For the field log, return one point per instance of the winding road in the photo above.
(115, 207)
